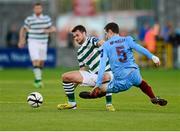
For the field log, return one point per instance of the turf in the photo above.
(133, 109)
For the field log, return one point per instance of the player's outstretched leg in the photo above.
(159, 101)
(148, 91)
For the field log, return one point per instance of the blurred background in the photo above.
(155, 24)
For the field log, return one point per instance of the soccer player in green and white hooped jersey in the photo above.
(88, 54)
(89, 58)
(38, 27)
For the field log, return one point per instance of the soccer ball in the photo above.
(35, 99)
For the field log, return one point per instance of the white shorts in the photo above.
(89, 79)
(37, 50)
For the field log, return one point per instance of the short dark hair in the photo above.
(81, 28)
(113, 27)
(38, 4)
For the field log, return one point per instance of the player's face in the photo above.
(79, 37)
(38, 9)
(108, 34)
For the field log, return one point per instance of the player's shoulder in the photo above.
(30, 17)
(46, 17)
(130, 38)
(93, 39)
(106, 43)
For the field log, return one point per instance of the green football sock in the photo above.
(108, 98)
(69, 90)
(71, 97)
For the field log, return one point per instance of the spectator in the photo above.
(174, 38)
(150, 40)
(143, 30)
(12, 37)
(166, 31)
(156, 30)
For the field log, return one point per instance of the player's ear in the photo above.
(110, 31)
(84, 33)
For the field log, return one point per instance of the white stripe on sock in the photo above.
(37, 73)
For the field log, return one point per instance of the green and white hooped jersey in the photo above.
(89, 55)
(36, 26)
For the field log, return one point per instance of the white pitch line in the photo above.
(27, 82)
(13, 102)
(21, 102)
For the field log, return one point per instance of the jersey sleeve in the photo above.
(26, 23)
(139, 48)
(102, 66)
(49, 22)
(94, 41)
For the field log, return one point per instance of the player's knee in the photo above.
(65, 77)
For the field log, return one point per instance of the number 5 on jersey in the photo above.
(121, 53)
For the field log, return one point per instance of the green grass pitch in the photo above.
(134, 111)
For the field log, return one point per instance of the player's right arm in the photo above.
(82, 68)
(22, 37)
(22, 33)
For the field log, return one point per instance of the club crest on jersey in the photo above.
(95, 39)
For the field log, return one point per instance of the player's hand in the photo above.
(156, 60)
(46, 31)
(21, 44)
(50, 30)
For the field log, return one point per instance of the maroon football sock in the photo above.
(147, 89)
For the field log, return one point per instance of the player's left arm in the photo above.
(51, 28)
(144, 51)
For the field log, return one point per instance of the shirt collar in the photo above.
(85, 42)
(38, 16)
